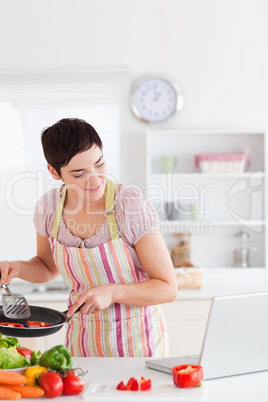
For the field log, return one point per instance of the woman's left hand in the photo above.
(95, 299)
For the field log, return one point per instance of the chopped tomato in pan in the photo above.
(12, 324)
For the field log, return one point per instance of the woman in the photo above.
(103, 239)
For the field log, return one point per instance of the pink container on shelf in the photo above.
(222, 163)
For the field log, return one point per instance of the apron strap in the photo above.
(58, 215)
(109, 209)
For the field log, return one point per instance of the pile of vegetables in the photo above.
(51, 373)
(12, 355)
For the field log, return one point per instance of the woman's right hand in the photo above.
(9, 270)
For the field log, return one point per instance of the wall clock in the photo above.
(155, 99)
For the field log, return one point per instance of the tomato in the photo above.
(27, 353)
(187, 375)
(52, 384)
(12, 324)
(72, 384)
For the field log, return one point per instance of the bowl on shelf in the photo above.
(222, 162)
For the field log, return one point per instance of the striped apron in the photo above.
(119, 330)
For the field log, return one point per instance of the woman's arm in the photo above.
(39, 269)
(160, 288)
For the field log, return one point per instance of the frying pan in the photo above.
(53, 317)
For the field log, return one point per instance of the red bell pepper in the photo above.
(187, 375)
(12, 324)
(37, 324)
(132, 384)
(145, 385)
(27, 353)
(121, 386)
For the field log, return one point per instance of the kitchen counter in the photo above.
(209, 290)
(216, 282)
(247, 388)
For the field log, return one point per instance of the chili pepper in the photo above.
(187, 376)
(57, 358)
(33, 374)
(145, 385)
(11, 324)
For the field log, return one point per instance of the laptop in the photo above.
(235, 340)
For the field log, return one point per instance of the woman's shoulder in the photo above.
(125, 192)
(45, 211)
(49, 201)
(131, 195)
(134, 213)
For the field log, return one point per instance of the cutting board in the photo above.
(160, 391)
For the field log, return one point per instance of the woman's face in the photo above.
(86, 174)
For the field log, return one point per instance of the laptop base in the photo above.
(166, 364)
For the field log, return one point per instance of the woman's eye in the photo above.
(100, 165)
(78, 176)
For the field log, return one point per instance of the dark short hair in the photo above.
(67, 138)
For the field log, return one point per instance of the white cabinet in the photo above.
(186, 323)
(229, 201)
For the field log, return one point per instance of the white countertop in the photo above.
(209, 290)
(246, 388)
(216, 282)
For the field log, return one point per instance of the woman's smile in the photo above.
(93, 189)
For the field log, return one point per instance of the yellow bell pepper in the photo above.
(32, 372)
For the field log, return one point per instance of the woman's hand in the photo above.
(9, 270)
(95, 299)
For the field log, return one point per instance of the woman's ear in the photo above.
(53, 172)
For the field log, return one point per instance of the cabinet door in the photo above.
(186, 323)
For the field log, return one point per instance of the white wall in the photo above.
(215, 50)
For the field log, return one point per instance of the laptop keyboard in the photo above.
(193, 357)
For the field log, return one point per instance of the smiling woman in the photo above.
(118, 272)
(28, 103)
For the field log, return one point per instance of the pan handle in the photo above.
(76, 311)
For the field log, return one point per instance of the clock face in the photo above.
(155, 100)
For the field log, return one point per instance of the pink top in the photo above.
(134, 217)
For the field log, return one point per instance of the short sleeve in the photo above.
(44, 214)
(135, 216)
